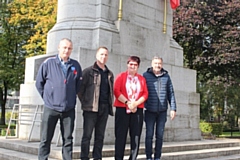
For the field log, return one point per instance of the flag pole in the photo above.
(165, 17)
(120, 10)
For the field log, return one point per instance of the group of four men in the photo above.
(60, 79)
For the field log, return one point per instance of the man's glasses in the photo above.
(133, 64)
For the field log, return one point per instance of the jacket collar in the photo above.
(96, 67)
(162, 72)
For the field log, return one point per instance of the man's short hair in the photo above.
(102, 47)
(156, 57)
(67, 39)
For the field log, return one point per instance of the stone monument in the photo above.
(127, 27)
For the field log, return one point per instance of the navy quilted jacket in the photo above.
(160, 91)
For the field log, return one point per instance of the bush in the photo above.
(12, 126)
(226, 125)
(8, 116)
(205, 127)
(4, 131)
(217, 128)
(214, 128)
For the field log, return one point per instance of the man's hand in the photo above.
(172, 114)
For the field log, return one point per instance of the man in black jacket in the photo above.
(96, 96)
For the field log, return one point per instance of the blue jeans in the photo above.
(151, 119)
(49, 120)
(93, 121)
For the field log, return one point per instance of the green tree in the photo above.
(24, 26)
(12, 57)
(209, 31)
(41, 16)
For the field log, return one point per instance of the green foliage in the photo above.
(8, 116)
(38, 16)
(12, 38)
(3, 130)
(209, 35)
(23, 30)
(214, 128)
(213, 99)
(217, 128)
(10, 133)
(209, 31)
(226, 126)
(205, 127)
(12, 126)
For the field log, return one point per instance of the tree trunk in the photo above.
(3, 99)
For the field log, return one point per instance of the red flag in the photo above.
(175, 3)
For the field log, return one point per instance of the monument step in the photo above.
(188, 150)
(231, 157)
(229, 153)
(7, 154)
(143, 157)
(201, 153)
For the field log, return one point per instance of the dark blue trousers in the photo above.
(153, 119)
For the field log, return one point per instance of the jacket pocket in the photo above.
(58, 96)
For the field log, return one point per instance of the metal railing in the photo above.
(27, 116)
(22, 115)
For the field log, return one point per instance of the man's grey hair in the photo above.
(69, 40)
(157, 57)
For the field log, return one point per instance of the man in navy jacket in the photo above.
(160, 93)
(58, 82)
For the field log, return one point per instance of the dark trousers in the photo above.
(151, 119)
(124, 122)
(94, 121)
(49, 121)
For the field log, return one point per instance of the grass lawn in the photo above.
(228, 134)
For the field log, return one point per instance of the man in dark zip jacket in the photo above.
(58, 82)
(96, 96)
(160, 93)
